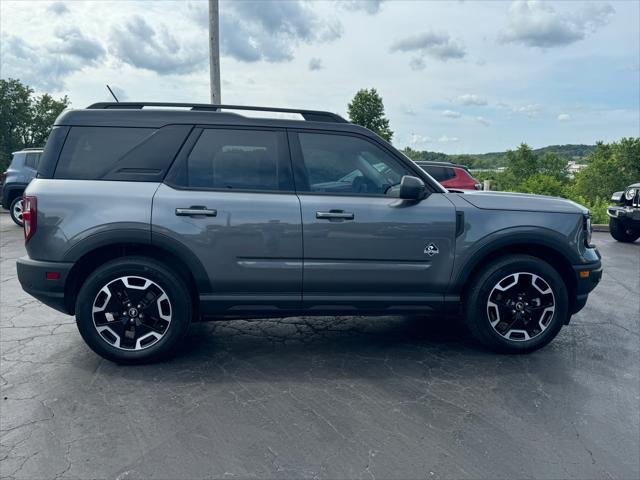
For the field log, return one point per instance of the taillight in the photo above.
(29, 216)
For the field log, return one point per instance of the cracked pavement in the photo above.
(348, 397)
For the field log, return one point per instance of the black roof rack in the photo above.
(309, 115)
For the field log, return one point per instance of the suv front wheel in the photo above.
(133, 310)
(621, 233)
(516, 304)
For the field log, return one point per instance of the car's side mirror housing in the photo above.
(412, 188)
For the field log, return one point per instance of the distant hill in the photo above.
(498, 159)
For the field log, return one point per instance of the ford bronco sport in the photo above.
(142, 220)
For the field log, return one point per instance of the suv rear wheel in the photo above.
(133, 310)
(517, 303)
(15, 210)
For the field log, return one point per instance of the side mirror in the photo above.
(411, 188)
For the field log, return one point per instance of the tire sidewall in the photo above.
(13, 204)
(618, 231)
(172, 285)
(477, 307)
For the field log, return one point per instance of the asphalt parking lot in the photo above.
(348, 397)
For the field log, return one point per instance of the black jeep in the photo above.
(624, 218)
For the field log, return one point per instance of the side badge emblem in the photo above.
(431, 249)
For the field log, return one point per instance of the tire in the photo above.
(622, 233)
(133, 310)
(492, 297)
(15, 210)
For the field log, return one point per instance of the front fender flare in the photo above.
(511, 237)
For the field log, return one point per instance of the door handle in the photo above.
(334, 215)
(195, 210)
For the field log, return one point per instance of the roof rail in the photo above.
(309, 115)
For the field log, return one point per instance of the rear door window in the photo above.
(237, 159)
(90, 152)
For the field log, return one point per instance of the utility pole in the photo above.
(214, 52)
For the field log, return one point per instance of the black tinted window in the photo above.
(345, 164)
(238, 159)
(91, 152)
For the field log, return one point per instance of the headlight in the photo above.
(629, 194)
(588, 230)
(617, 197)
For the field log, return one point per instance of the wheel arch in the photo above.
(544, 249)
(10, 192)
(188, 268)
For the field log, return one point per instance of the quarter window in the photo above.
(91, 152)
(349, 165)
(238, 160)
(31, 160)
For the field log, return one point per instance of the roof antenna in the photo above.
(113, 94)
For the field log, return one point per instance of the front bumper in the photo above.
(587, 278)
(624, 213)
(32, 275)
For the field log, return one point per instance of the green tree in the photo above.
(367, 109)
(554, 166)
(611, 168)
(25, 119)
(521, 163)
(543, 184)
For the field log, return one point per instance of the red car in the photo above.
(450, 175)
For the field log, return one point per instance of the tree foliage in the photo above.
(367, 109)
(612, 168)
(25, 119)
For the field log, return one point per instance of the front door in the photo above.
(229, 200)
(363, 247)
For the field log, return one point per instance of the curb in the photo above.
(600, 227)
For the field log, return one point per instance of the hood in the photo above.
(521, 201)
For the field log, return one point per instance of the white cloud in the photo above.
(58, 8)
(416, 140)
(315, 64)
(141, 45)
(531, 110)
(438, 45)
(483, 121)
(564, 117)
(371, 7)
(46, 65)
(255, 30)
(470, 99)
(537, 24)
(447, 139)
(451, 114)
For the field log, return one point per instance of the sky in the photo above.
(455, 76)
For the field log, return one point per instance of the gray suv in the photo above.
(23, 168)
(143, 220)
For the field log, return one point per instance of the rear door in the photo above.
(229, 199)
(363, 247)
